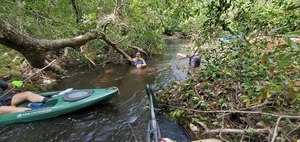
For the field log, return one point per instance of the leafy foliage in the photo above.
(66, 19)
(255, 60)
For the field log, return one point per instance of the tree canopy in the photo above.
(41, 29)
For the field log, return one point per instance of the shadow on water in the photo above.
(124, 118)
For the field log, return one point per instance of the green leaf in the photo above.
(224, 105)
(277, 89)
(293, 34)
(216, 123)
(196, 98)
(274, 31)
(196, 105)
(295, 6)
(298, 97)
(264, 58)
(234, 53)
(268, 120)
(291, 43)
(244, 98)
(285, 60)
(258, 88)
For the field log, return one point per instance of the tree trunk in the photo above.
(35, 50)
(114, 46)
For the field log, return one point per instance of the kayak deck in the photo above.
(61, 104)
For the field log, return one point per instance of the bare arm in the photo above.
(144, 62)
(184, 56)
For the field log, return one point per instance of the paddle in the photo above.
(7, 92)
(63, 92)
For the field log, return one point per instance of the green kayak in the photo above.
(61, 102)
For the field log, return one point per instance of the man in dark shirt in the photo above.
(9, 102)
(194, 60)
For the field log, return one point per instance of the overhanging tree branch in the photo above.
(36, 50)
(104, 37)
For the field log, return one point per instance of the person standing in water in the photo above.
(194, 60)
(139, 62)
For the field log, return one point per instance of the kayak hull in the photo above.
(57, 105)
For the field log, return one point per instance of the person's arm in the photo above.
(182, 55)
(189, 55)
(144, 63)
(134, 61)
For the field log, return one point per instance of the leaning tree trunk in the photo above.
(114, 46)
(35, 50)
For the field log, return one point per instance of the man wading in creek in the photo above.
(194, 60)
(139, 62)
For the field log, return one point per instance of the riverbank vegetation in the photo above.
(76, 33)
(248, 87)
(85, 32)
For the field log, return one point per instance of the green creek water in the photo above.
(124, 118)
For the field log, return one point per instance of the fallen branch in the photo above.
(292, 116)
(139, 49)
(104, 37)
(222, 129)
(294, 129)
(135, 138)
(276, 129)
(90, 60)
(275, 132)
(277, 123)
(256, 106)
(236, 131)
(249, 108)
